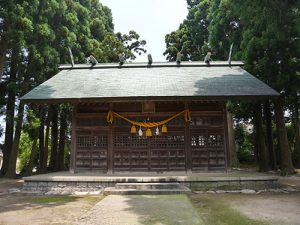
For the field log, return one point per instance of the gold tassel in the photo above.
(148, 133)
(133, 129)
(164, 129)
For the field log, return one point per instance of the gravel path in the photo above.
(142, 209)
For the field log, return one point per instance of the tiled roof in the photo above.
(160, 81)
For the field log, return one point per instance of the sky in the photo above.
(151, 19)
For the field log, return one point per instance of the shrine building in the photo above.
(150, 118)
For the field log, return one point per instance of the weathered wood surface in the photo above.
(195, 146)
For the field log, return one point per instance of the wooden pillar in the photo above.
(73, 141)
(110, 149)
(187, 143)
(232, 155)
(226, 137)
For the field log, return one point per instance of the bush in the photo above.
(245, 149)
(24, 151)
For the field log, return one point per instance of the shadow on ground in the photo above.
(163, 209)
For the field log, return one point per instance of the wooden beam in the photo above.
(226, 137)
(73, 141)
(245, 98)
(187, 143)
(110, 149)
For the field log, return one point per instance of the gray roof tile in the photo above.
(143, 82)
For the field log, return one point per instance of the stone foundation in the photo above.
(69, 186)
(46, 186)
(232, 185)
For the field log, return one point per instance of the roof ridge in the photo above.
(154, 65)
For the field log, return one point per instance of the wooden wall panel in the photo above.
(195, 146)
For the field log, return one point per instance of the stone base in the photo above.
(65, 186)
(93, 183)
(230, 185)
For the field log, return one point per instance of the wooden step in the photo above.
(148, 186)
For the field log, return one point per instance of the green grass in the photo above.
(64, 199)
(214, 211)
(163, 209)
(93, 199)
(52, 199)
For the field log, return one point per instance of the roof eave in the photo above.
(150, 98)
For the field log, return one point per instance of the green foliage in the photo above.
(292, 137)
(132, 44)
(290, 133)
(264, 34)
(31, 124)
(192, 35)
(224, 29)
(244, 140)
(25, 147)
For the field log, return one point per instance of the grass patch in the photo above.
(214, 211)
(163, 209)
(93, 199)
(52, 199)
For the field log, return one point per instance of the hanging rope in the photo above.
(111, 115)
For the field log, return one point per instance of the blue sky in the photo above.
(151, 19)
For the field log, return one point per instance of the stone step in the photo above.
(117, 191)
(148, 186)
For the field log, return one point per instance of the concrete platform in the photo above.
(146, 188)
(115, 191)
(235, 180)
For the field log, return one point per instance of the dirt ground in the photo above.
(261, 209)
(143, 210)
(276, 208)
(19, 209)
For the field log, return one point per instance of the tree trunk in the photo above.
(263, 156)
(270, 135)
(296, 125)
(11, 169)
(10, 111)
(9, 132)
(47, 136)
(41, 138)
(54, 139)
(29, 167)
(286, 164)
(3, 48)
(232, 150)
(62, 137)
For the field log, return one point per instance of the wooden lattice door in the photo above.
(91, 150)
(207, 139)
(131, 153)
(208, 149)
(167, 152)
(157, 153)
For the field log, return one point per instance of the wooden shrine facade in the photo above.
(199, 145)
(150, 94)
